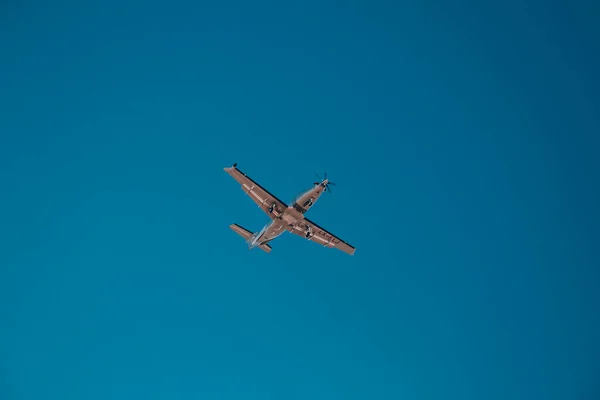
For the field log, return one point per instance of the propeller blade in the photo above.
(325, 175)
(328, 188)
(331, 183)
(317, 175)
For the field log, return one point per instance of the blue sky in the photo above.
(463, 139)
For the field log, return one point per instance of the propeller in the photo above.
(327, 188)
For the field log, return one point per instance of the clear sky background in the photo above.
(464, 142)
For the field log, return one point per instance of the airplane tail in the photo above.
(246, 234)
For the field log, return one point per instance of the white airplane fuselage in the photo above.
(286, 220)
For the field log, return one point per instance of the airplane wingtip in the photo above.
(227, 169)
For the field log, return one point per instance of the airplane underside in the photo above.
(285, 217)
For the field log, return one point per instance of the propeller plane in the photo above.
(285, 218)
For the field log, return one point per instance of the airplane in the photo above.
(283, 217)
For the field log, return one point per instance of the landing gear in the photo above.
(273, 208)
(308, 232)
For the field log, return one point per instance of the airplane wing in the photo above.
(321, 236)
(260, 195)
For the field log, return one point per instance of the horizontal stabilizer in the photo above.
(243, 232)
(246, 234)
(265, 247)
